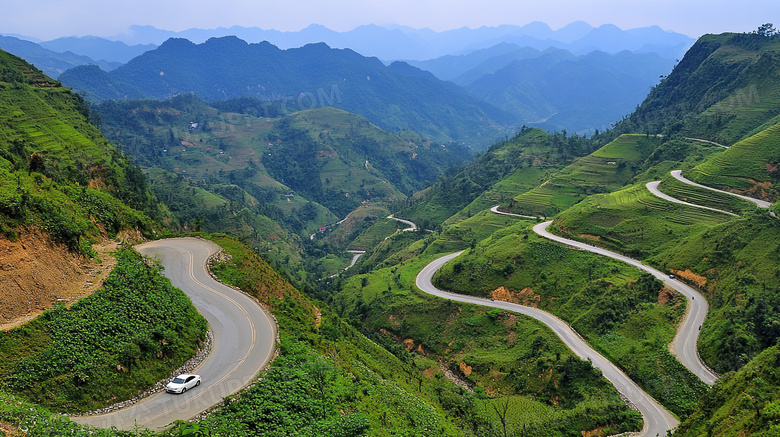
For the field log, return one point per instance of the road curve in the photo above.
(657, 420)
(684, 343)
(677, 174)
(412, 226)
(244, 339)
(653, 188)
(707, 141)
(495, 210)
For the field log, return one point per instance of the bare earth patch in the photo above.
(36, 272)
(525, 296)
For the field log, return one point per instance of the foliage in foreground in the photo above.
(745, 403)
(69, 359)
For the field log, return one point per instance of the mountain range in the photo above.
(394, 97)
(375, 354)
(405, 43)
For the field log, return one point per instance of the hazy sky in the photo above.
(48, 19)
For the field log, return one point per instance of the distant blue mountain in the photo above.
(50, 62)
(558, 90)
(98, 48)
(405, 43)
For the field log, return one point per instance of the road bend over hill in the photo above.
(657, 420)
(684, 344)
(412, 226)
(653, 188)
(244, 339)
(677, 174)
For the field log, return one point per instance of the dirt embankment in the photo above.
(36, 272)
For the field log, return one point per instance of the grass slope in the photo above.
(749, 167)
(507, 169)
(604, 170)
(745, 403)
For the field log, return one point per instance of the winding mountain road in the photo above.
(677, 174)
(412, 226)
(244, 339)
(657, 419)
(495, 210)
(653, 188)
(684, 344)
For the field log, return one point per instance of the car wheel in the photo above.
(183, 390)
(197, 384)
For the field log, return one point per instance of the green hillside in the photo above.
(749, 167)
(745, 403)
(607, 169)
(506, 355)
(724, 89)
(505, 170)
(59, 173)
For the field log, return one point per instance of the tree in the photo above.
(320, 372)
(767, 29)
(501, 409)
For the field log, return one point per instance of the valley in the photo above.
(620, 279)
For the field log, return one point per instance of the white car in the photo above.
(182, 383)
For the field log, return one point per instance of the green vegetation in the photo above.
(44, 129)
(736, 266)
(605, 170)
(74, 215)
(382, 393)
(109, 346)
(33, 420)
(623, 313)
(743, 403)
(749, 167)
(491, 349)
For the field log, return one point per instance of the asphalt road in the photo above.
(657, 419)
(677, 174)
(244, 340)
(653, 188)
(684, 344)
(496, 211)
(412, 226)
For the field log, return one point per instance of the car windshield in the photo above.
(178, 381)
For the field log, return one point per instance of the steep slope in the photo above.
(514, 166)
(63, 188)
(745, 403)
(394, 97)
(724, 89)
(748, 167)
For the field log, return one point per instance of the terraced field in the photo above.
(635, 222)
(606, 170)
(704, 197)
(749, 167)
